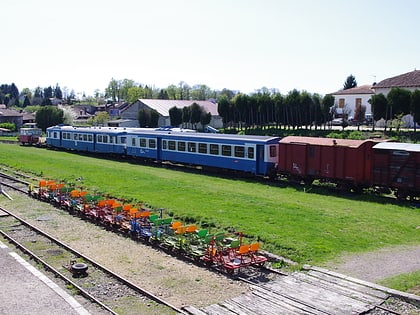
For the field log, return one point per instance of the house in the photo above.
(11, 116)
(409, 81)
(349, 101)
(163, 107)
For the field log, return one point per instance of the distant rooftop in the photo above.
(363, 89)
(163, 106)
(409, 79)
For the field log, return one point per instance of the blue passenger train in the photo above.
(257, 155)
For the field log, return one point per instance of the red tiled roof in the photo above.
(409, 79)
(363, 89)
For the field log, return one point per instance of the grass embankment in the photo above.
(304, 226)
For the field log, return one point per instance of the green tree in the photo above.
(350, 82)
(148, 118)
(113, 90)
(326, 105)
(205, 118)
(223, 107)
(154, 119)
(175, 115)
(26, 101)
(399, 101)
(379, 105)
(57, 92)
(100, 119)
(186, 115)
(415, 106)
(196, 112)
(48, 116)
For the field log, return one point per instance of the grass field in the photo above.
(307, 227)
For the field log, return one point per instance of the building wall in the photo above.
(353, 100)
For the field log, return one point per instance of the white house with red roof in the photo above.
(350, 100)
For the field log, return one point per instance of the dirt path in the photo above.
(380, 264)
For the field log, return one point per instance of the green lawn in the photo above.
(307, 227)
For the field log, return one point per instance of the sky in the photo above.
(241, 45)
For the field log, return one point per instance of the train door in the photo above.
(158, 149)
(260, 160)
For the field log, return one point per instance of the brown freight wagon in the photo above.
(396, 166)
(344, 162)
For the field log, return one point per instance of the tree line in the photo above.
(396, 104)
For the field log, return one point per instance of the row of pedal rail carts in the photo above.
(221, 250)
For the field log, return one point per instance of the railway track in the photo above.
(90, 279)
(313, 291)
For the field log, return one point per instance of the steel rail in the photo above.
(47, 266)
(96, 264)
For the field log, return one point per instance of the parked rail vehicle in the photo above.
(252, 154)
(350, 164)
(225, 251)
(29, 134)
(353, 164)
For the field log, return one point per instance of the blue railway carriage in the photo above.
(257, 155)
(89, 139)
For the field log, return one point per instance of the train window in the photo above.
(143, 142)
(152, 143)
(90, 137)
(85, 137)
(111, 139)
(202, 148)
(273, 151)
(99, 138)
(55, 134)
(164, 145)
(181, 146)
(75, 136)
(214, 149)
(250, 152)
(226, 150)
(123, 140)
(171, 145)
(192, 147)
(81, 137)
(133, 142)
(105, 139)
(239, 151)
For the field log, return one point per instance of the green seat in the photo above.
(208, 238)
(202, 233)
(235, 244)
(219, 237)
(153, 217)
(167, 221)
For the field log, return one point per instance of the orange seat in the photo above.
(127, 207)
(191, 228)
(181, 230)
(42, 183)
(144, 214)
(243, 249)
(176, 225)
(102, 203)
(254, 247)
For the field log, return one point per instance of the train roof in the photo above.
(411, 147)
(173, 132)
(323, 141)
